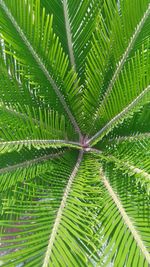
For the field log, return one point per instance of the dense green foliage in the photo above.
(75, 133)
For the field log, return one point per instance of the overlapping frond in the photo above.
(78, 204)
(127, 112)
(9, 146)
(21, 89)
(41, 51)
(123, 229)
(137, 125)
(13, 90)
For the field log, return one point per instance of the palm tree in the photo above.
(75, 133)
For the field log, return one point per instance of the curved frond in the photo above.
(133, 137)
(132, 128)
(138, 123)
(9, 146)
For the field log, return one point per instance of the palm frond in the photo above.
(133, 155)
(13, 174)
(135, 137)
(49, 59)
(128, 111)
(9, 146)
(75, 25)
(39, 199)
(36, 129)
(125, 227)
(116, 36)
(135, 127)
(78, 206)
(127, 92)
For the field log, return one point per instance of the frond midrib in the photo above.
(29, 162)
(69, 34)
(134, 137)
(55, 142)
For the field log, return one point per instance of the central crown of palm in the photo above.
(75, 132)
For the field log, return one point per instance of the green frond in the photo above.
(124, 220)
(13, 90)
(128, 112)
(20, 103)
(138, 123)
(41, 51)
(34, 204)
(118, 34)
(30, 163)
(78, 204)
(127, 87)
(133, 137)
(129, 94)
(135, 127)
(132, 154)
(9, 146)
(74, 25)
(24, 123)
(81, 207)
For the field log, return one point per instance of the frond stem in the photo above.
(69, 35)
(56, 143)
(129, 138)
(30, 162)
